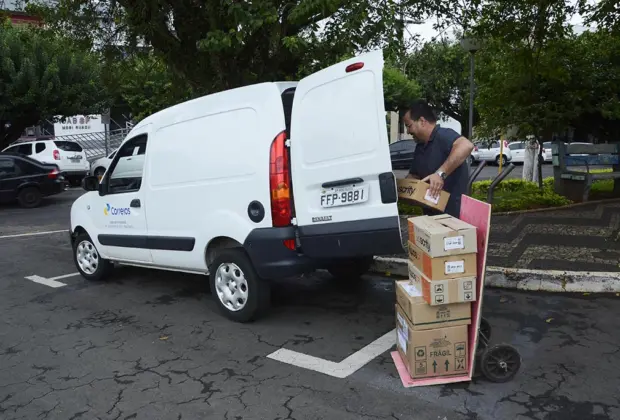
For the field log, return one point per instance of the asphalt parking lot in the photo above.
(150, 345)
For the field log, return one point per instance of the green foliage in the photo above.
(516, 194)
(526, 62)
(147, 85)
(441, 68)
(43, 76)
(218, 45)
(398, 90)
(408, 209)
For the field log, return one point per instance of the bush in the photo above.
(516, 194)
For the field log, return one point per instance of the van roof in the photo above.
(179, 108)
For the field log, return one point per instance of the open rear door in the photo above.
(343, 186)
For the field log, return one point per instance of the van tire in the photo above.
(29, 197)
(350, 269)
(84, 245)
(255, 293)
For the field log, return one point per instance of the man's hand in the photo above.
(436, 183)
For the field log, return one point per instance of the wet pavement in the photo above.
(151, 345)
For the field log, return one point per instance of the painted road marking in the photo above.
(20, 235)
(338, 370)
(64, 276)
(48, 282)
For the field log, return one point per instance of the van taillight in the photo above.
(279, 180)
(56, 155)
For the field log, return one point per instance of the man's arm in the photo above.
(461, 149)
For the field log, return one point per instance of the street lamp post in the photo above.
(471, 45)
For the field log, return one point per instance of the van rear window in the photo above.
(68, 146)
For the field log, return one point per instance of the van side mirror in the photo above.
(90, 183)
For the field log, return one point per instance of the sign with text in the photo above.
(79, 124)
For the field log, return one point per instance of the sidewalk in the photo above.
(575, 249)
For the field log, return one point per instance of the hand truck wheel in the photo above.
(500, 363)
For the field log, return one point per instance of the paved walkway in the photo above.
(585, 238)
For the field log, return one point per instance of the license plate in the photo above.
(344, 196)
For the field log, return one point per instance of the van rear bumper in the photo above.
(358, 238)
(271, 258)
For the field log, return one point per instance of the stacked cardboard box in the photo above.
(433, 308)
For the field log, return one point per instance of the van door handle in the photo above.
(135, 203)
(342, 182)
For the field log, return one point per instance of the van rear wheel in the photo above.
(350, 269)
(238, 291)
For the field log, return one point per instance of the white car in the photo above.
(296, 190)
(490, 152)
(99, 166)
(67, 155)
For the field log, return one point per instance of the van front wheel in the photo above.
(239, 292)
(87, 259)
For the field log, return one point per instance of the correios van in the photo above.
(261, 182)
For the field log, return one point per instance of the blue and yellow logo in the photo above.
(108, 210)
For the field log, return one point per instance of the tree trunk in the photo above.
(530, 163)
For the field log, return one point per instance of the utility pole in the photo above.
(471, 45)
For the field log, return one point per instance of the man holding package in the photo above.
(440, 157)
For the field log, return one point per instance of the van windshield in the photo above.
(68, 146)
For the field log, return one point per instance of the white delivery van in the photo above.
(260, 182)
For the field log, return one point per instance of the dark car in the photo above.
(401, 154)
(27, 180)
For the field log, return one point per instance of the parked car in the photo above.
(99, 166)
(490, 152)
(27, 180)
(67, 155)
(297, 190)
(401, 153)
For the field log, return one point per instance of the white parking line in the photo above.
(64, 276)
(19, 235)
(48, 282)
(338, 370)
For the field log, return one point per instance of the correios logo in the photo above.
(108, 210)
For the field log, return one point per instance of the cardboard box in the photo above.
(423, 316)
(443, 268)
(442, 292)
(442, 235)
(417, 192)
(436, 352)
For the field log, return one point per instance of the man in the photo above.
(440, 157)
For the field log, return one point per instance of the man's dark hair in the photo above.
(420, 109)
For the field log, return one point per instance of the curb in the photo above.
(525, 279)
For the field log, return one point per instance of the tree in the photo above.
(43, 76)
(217, 45)
(524, 67)
(146, 85)
(441, 69)
(604, 13)
(398, 90)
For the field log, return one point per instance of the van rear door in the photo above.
(343, 186)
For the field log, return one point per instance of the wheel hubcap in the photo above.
(87, 257)
(231, 286)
